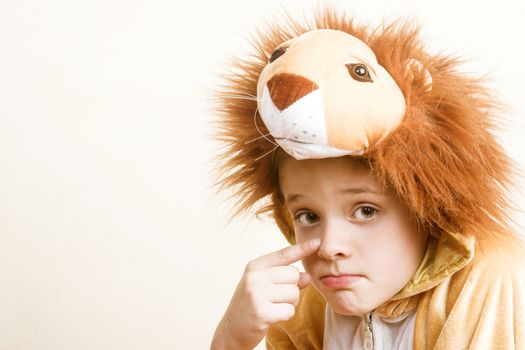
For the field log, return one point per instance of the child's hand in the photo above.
(267, 293)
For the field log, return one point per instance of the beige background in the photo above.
(110, 234)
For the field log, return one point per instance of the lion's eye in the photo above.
(359, 72)
(278, 52)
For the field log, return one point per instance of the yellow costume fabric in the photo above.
(468, 295)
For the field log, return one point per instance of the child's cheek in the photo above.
(309, 264)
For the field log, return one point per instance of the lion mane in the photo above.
(443, 161)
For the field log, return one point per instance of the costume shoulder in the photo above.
(481, 306)
(305, 330)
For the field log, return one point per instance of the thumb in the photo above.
(304, 280)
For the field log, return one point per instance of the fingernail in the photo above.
(314, 243)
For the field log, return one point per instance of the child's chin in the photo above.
(345, 303)
(346, 311)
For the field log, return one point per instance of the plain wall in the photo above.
(111, 236)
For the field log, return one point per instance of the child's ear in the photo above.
(418, 74)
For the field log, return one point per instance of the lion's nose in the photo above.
(286, 88)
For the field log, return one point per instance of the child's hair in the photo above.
(443, 160)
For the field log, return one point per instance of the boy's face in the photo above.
(370, 247)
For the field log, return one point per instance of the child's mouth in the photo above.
(338, 281)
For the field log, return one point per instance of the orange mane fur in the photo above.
(443, 160)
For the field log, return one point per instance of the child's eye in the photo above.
(365, 213)
(306, 218)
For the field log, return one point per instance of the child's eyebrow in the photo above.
(351, 190)
(293, 198)
(360, 189)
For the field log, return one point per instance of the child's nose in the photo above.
(334, 244)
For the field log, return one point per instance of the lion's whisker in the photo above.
(276, 145)
(264, 155)
(268, 134)
(259, 130)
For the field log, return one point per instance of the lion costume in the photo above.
(334, 88)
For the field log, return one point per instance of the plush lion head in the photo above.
(332, 88)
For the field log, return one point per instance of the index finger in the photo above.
(288, 255)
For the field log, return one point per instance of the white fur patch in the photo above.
(300, 129)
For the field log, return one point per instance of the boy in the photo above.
(383, 174)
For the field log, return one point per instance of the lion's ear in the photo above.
(417, 71)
